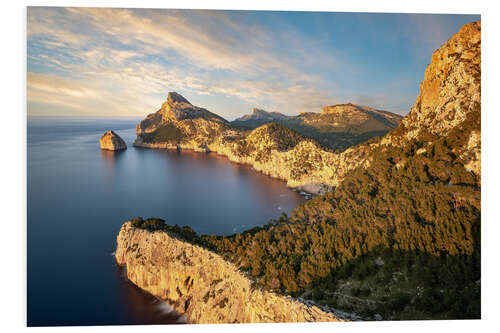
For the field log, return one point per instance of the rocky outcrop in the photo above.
(175, 109)
(112, 141)
(200, 284)
(451, 87)
(450, 95)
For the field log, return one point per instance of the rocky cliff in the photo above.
(112, 141)
(200, 284)
(449, 99)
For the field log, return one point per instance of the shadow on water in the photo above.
(147, 308)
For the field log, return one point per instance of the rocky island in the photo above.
(112, 141)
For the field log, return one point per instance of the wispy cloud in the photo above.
(106, 61)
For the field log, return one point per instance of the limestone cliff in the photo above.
(200, 284)
(112, 141)
(450, 96)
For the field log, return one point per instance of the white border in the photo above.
(13, 165)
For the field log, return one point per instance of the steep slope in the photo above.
(200, 284)
(449, 99)
(179, 124)
(400, 234)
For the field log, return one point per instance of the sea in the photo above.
(78, 196)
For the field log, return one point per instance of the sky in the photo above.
(123, 62)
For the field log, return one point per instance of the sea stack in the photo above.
(112, 141)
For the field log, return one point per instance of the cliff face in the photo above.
(112, 141)
(450, 98)
(200, 284)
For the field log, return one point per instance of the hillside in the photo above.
(399, 237)
(336, 127)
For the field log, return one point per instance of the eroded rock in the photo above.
(112, 141)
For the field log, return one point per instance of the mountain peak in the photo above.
(174, 97)
(257, 111)
(262, 116)
(451, 88)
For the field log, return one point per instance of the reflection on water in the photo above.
(109, 156)
(79, 196)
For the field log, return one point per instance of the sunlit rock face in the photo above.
(450, 94)
(452, 84)
(352, 114)
(200, 284)
(112, 141)
(175, 109)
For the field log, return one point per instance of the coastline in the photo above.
(307, 190)
(204, 287)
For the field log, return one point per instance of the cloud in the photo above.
(144, 53)
(124, 61)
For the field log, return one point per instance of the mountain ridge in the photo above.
(336, 126)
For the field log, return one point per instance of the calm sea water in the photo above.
(79, 196)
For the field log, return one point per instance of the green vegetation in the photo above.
(167, 132)
(156, 224)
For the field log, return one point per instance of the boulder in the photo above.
(112, 141)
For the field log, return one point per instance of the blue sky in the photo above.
(123, 62)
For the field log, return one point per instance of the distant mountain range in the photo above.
(337, 126)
